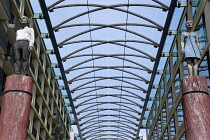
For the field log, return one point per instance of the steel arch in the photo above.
(107, 7)
(107, 68)
(110, 109)
(84, 109)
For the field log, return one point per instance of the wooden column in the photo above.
(16, 108)
(196, 108)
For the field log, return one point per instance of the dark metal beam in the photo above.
(54, 43)
(162, 42)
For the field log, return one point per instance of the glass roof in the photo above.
(108, 49)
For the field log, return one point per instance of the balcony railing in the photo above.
(3, 39)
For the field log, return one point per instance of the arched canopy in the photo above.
(108, 49)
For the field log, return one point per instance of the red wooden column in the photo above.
(15, 107)
(196, 108)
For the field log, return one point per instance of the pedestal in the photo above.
(196, 108)
(16, 108)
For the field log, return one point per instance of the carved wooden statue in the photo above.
(191, 49)
(23, 46)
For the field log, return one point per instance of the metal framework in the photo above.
(108, 99)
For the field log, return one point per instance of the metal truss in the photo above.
(108, 110)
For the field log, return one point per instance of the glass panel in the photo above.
(168, 74)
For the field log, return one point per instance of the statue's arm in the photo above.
(197, 42)
(31, 42)
(182, 43)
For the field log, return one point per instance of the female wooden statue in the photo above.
(191, 49)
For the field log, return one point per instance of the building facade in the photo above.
(163, 117)
(49, 115)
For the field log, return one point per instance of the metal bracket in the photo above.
(44, 35)
(67, 104)
(148, 109)
(38, 16)
(58, 77)
(155, 86)
(61, 87)
(167, 54)
(65, 96)
(172, 32)
(69, 111)
(159, 72)
(181, 4)
(49, 51)
(54, 65)
(151, 98)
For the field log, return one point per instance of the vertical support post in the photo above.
(16, 107)
(196, 108)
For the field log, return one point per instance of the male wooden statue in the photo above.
(23, 46)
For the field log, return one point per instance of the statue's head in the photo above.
(24, 20)
(189, 24)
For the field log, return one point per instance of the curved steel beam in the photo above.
(101, 133)
(140, 106)
(163, 7)
(91, 123)
(117, 135)
(118, 24)
(139, 113)
(91, 114)
(105, 42)
(102, 95)
(94, 70)
(107, 7)
(95, 58)
(112, 41)
(72, 91)
(84, 93)
(115, 77)
(107, 55)
(113, 126)
(95, 80)
(157, 1)
(95, 130)
(107, 26)
(84, 109)
(101, 126)
(90, 99)
(109, 67)
(92, 132)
